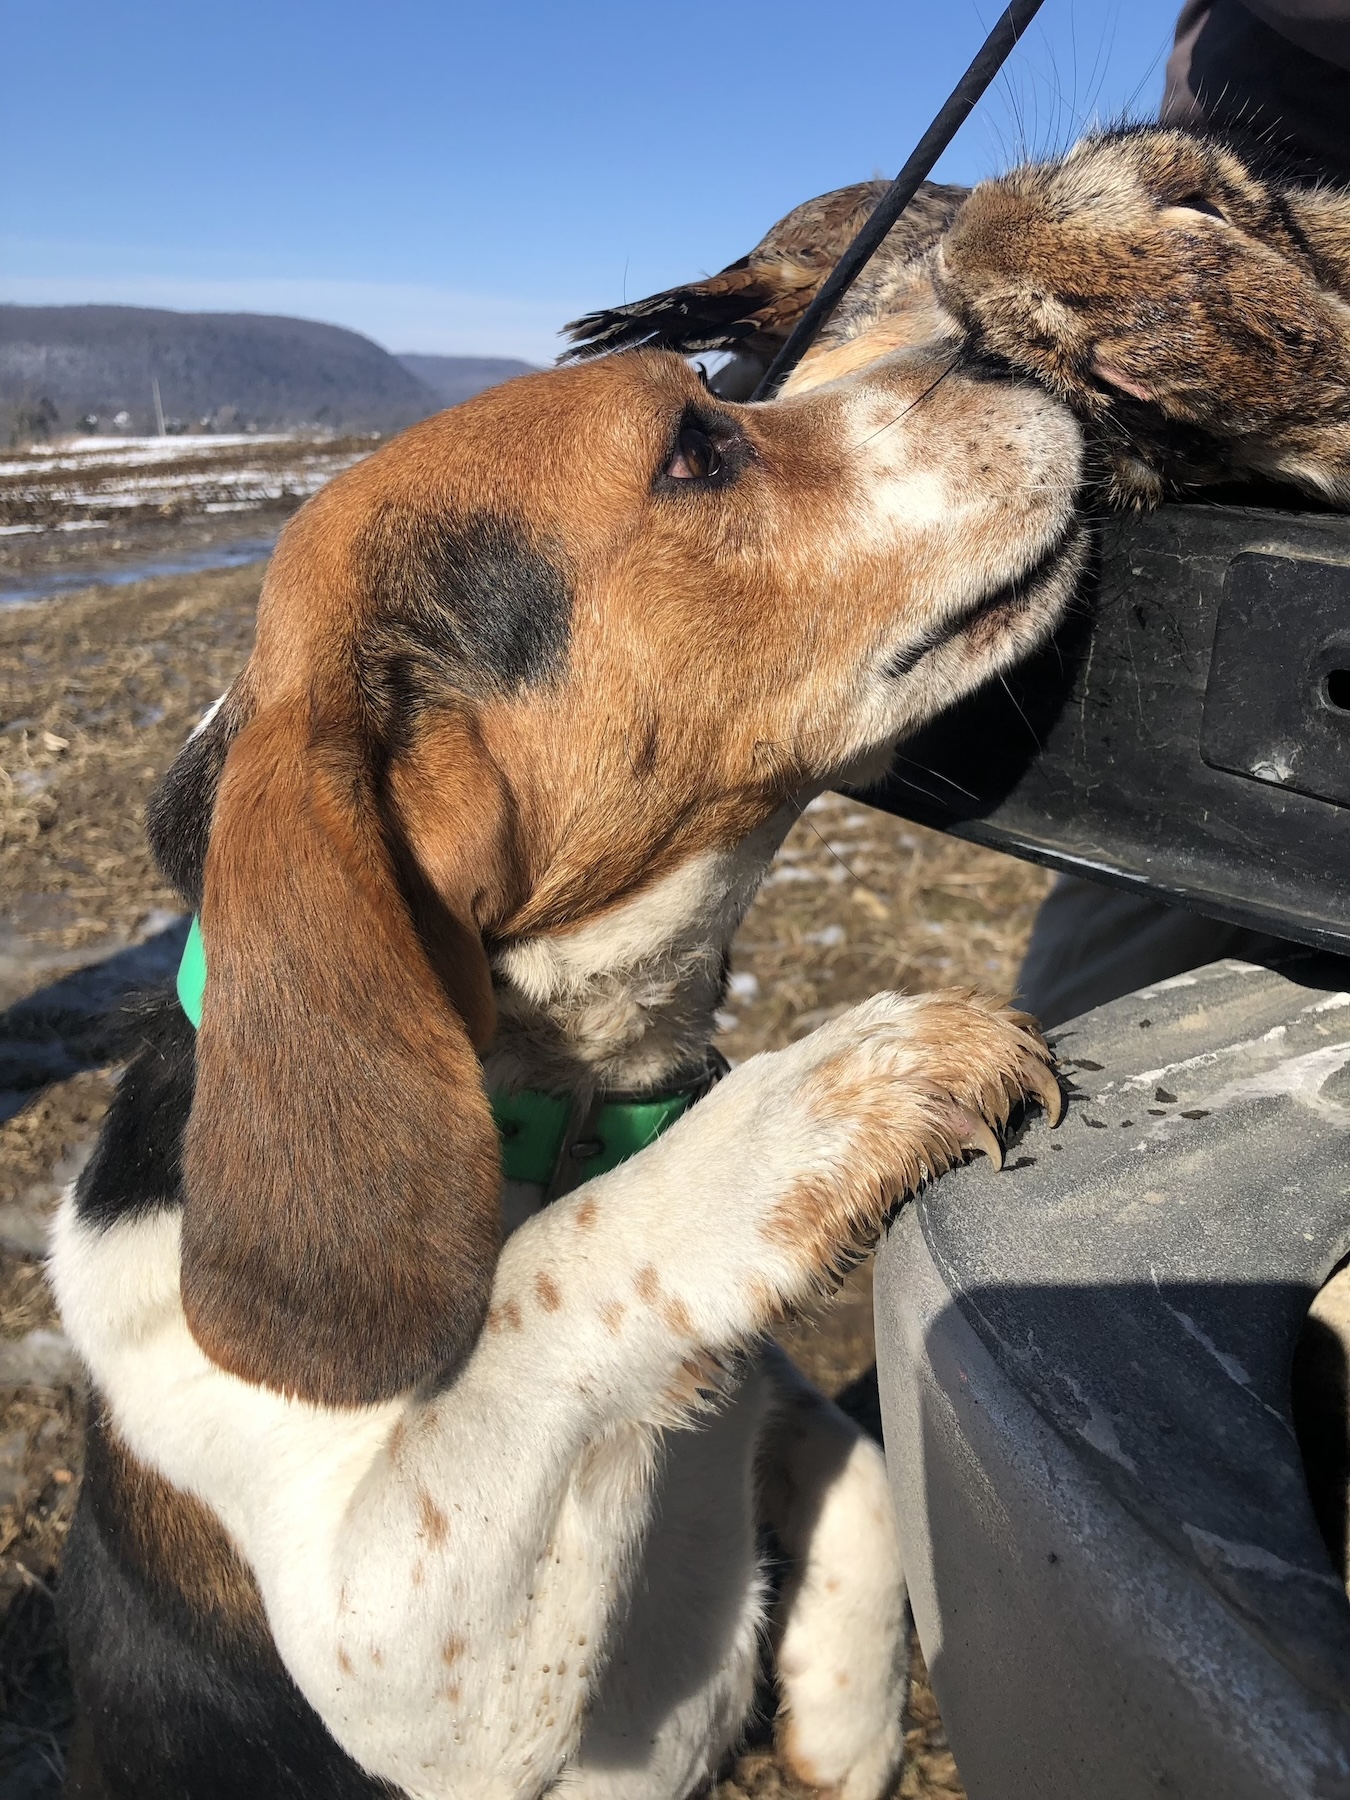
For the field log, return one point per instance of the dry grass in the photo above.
(61, 1119)
(96, 694)
(858, 901)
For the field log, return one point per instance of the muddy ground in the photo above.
(102, 508)
(97, 691)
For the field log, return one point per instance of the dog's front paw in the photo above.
(899, 1089)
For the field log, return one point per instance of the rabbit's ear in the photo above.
(1116, 377)
(342, 1171)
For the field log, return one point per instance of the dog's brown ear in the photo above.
(342, 1173)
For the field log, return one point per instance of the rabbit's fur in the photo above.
(1188, 297)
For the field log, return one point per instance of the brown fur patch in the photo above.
(648, 1285)
(546, 1291)
(432, 1522)
(587, 1214)
(698, 1381)
(960, 1055)
(676, 1314)
(504, 1317)
(453, 1649)
(332, 1248)
(174, 1540)
(764, 1304)
(612, 1315)
(895, 1149)
(789, 1748)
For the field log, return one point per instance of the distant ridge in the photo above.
(63, 365)
(456, 378)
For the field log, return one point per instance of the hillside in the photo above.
(60, 366)
(456, 378)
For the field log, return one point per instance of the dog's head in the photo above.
(533, 655)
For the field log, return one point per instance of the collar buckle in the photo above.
(549, 1140)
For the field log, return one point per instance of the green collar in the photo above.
(192, 974)
(544, 1140)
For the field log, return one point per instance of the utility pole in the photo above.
(159, 405)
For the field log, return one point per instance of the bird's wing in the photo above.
(753, 303)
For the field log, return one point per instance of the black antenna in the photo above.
(997, 48)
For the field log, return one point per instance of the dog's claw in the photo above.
(1043, 1084)
(976, 1135)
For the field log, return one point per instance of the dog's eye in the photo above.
(708, 452)
(1198, 203)
(696, 457)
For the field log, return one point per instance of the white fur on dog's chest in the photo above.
(535, 1576)
(628, 999)
(399, 1656)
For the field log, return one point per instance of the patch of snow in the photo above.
(1301, 1078)
(831, 936)
(1332, 1003)
(40, 1359)
(1168, 986)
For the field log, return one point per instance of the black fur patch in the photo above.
(473, 608)
(137, 1164)
(171, 1707)
(178, 817)
(467, 609)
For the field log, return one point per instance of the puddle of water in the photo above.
(17, 591)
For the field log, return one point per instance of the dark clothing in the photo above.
(1276, 67)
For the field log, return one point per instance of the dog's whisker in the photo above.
(801, 813)
(1020, 713)
(936, 774)
(905, 412)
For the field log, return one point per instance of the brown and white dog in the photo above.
(376, 1502)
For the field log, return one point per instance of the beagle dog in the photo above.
(406, 1479)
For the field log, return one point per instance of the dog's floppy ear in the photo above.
(342, 1173)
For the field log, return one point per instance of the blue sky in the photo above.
(463, 179)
